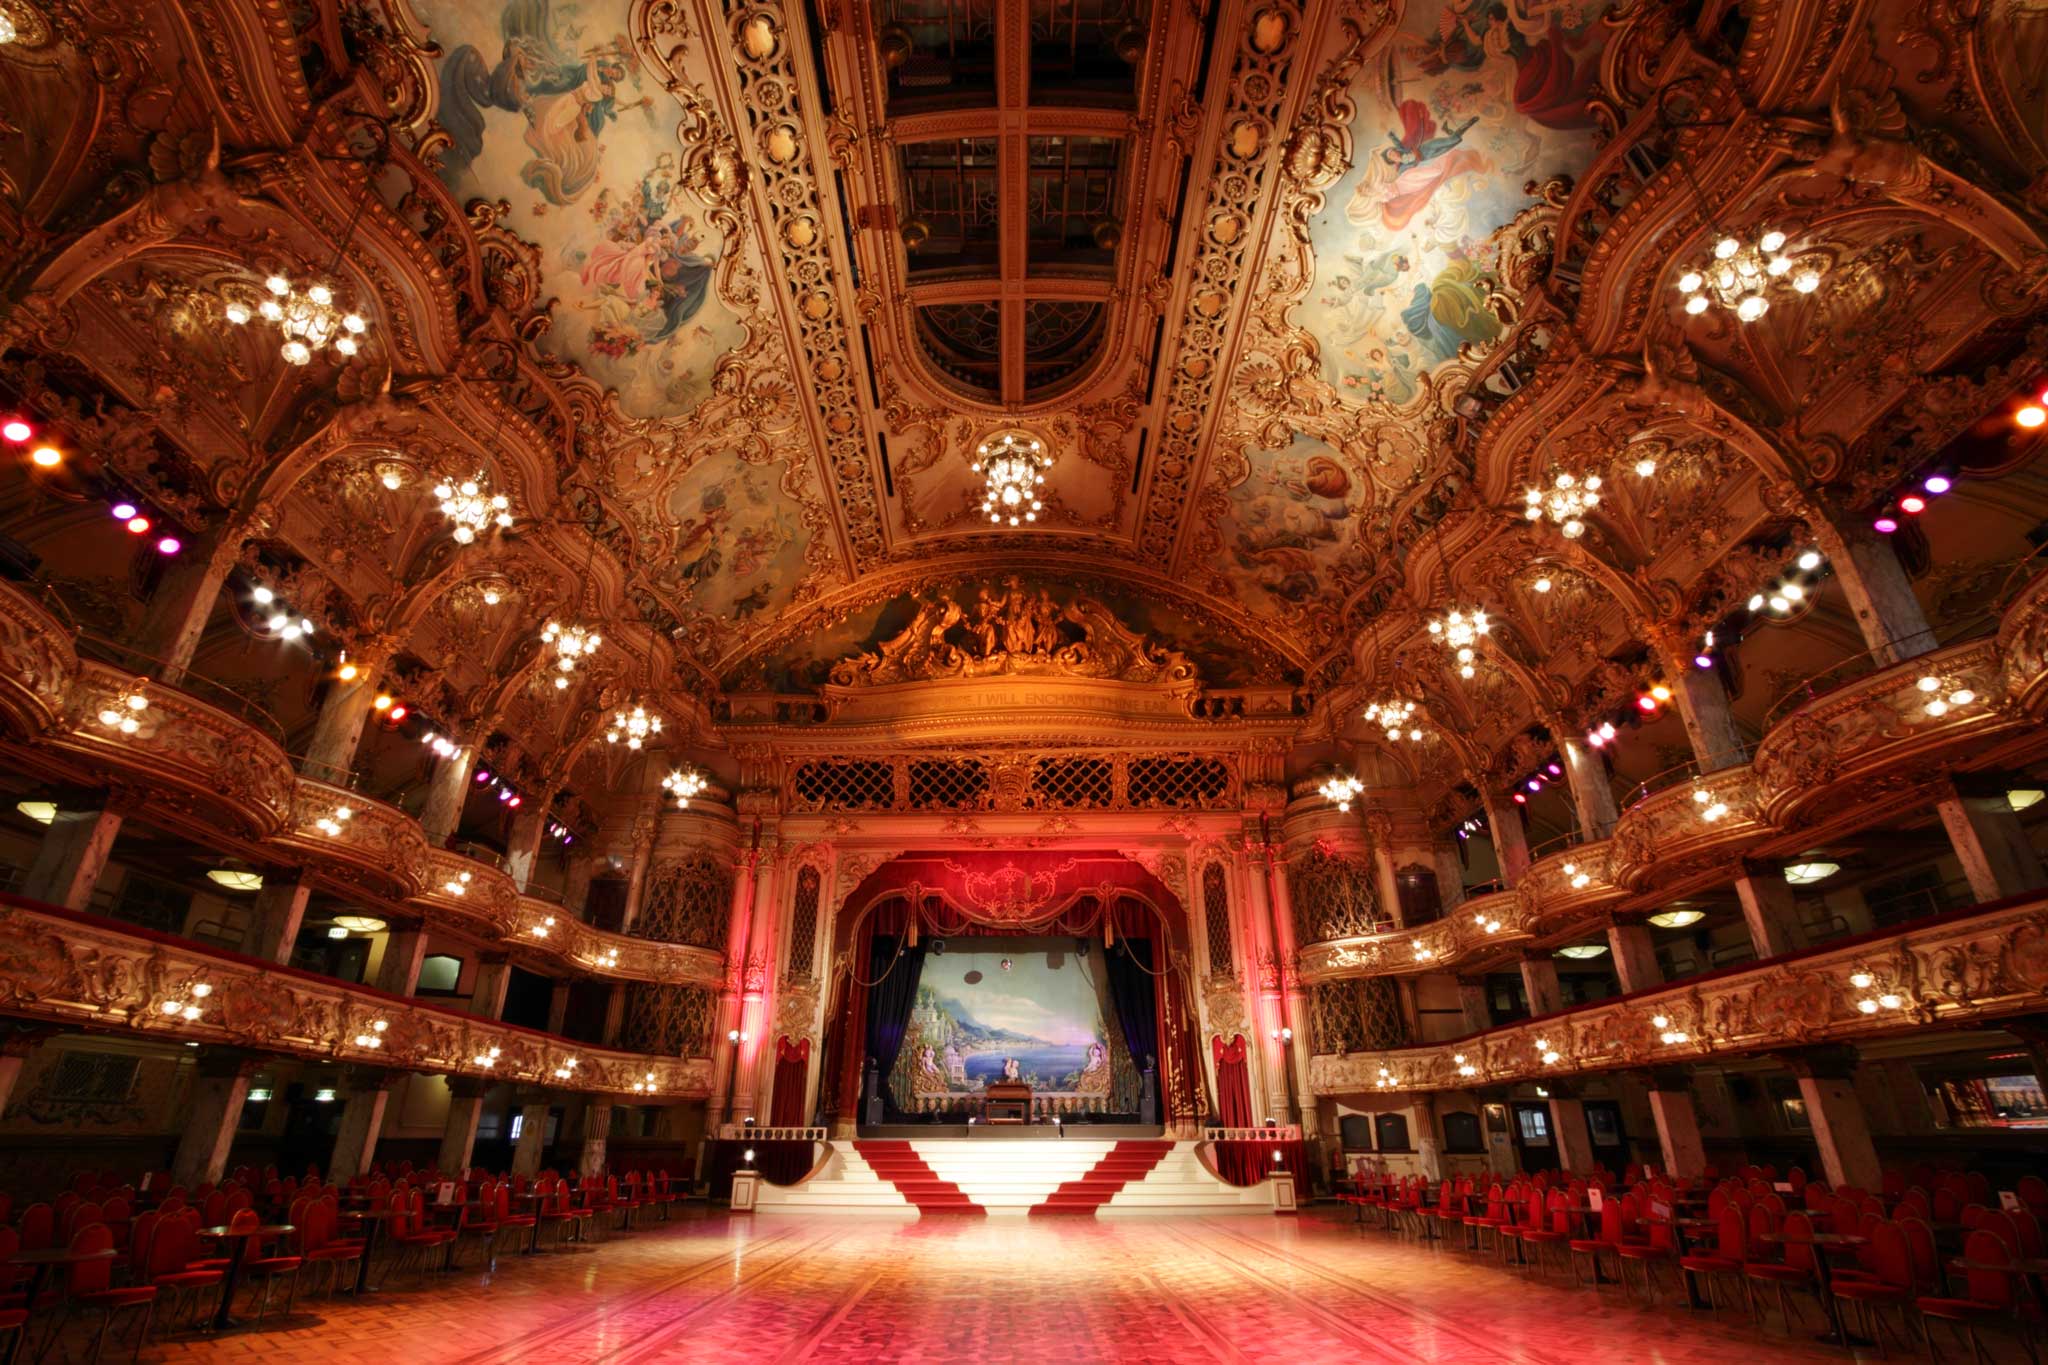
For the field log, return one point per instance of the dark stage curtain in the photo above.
(1234, 1160)
(1132, 996)
(890, 1001)
(792, 1071)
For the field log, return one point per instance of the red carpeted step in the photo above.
(1122, 1164)
(900, 1165)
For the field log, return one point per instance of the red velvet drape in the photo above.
(792, 1076)
(1235, 1160)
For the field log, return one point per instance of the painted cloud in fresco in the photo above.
(1471, 101)
(551, 110)
(1291, 532)
(739, 544)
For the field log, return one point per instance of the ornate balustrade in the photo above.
(1971, 966)
(1851, 756)
(81, 972)
(203, 769)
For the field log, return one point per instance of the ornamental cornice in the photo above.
(1980, 968)
(83, 973)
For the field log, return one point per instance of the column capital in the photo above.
(1667, 1078)
(1825, 1062)
(469, 1087)
(361, 1078)
(229, 1063)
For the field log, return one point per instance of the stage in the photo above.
(1015, 1132)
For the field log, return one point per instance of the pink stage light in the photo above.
(1884, 525)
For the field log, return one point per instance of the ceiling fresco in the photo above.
(1464, 107)
(1291, 533)
(548, 108)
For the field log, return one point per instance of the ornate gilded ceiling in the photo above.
(1300, 294)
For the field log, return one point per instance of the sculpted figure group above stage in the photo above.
(1014, 631)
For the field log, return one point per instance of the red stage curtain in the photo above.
(792, 1072)
(1237, 1162)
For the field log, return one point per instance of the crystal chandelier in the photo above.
(1393, 716)
(1011, 465)
(1566, 502)
(573, 644)
(1460, 632)
(471, 508)
(633, 727)
(308, 317)
(685, 783)
(1742, 275)
(1341, 789)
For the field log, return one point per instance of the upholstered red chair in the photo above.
(174, 1266)
(1787, 1266)
(478, 1221)
(321, 1244)
(2033, 1192)
(89, 1288)
(409, 1233)
(1990, 1297)
(1489, 1223)
(38, 1227)
(1549, 1225)
(265, 1264)
(1659, 1247)
(1729, 1256)
(1892, 1282)
(2029, 1229)
(1617, 1226)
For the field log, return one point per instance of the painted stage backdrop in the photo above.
(550, 109)
(1021, 1013)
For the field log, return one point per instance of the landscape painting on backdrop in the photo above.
(1033, 1015)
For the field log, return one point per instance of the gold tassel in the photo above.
(1109, 928)
(910, 938)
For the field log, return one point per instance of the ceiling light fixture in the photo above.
(1582, 952)
(1460, 632)
(1742, 275)
(1393, 716)
(472, 507)
(1810, 871)
(633, 727)
(685, 783)
(45, 812)
(360, 924)
(235, 878)
(1342, 789)
(1012, 466)
(1568, 501)
(1677, 919)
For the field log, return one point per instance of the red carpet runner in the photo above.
(1122, 1164)
(896, 1163)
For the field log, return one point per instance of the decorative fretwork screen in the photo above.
(803, 924)
(1043, 782)
(686, 901)
(1359, 1015)
(1333, 897)
(1216, 916)
(668, 1021)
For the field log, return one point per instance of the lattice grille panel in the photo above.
(803, 924)
(1179, 782)
(92, 1077)
(686, 901)
(1216, 915)
(948, 784)
(1333, 897)
(667, 1021)
(1073, 783)
(853, 784)
(1360, 1015)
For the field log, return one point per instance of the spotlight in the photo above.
(1646, 702)
(382, 702)
(1811, 559)
(138, 526)
(1556, 770)
(1521, 800)
(2032, 415)
(347, 672)
(17, 430)
(1912, 504)
(169, 545)
(513, 802)
(483, 775)
(1756, 601)
(1937, 483)
(1884, 526)
(397, 714)
(47, 457)
(122, 510)
(1702, 661)
(1660, 692)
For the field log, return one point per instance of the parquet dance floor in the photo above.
(714, 1288)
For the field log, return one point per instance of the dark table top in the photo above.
(60, 1256)
(267, 1229)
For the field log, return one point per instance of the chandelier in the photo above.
(471, 508)
(573, 644)
(1460, 632)
(634, 727)
(1566, 502)
(685, 783)
(1392, 716)
(1341, 789)
(1011, 466)
(1742, 275)
(309, 318)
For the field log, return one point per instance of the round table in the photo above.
(372, 1220)
(240, 1237)
(46, 1257)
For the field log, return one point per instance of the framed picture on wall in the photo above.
(1603, 1123)
(1792, 1108)
(1496, 1118)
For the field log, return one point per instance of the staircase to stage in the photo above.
(1072, 1176)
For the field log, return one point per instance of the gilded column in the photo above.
(739, 919)
(1267, 974)
(757, 983)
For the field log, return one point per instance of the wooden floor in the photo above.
(714, 1288)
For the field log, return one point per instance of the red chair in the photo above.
(1893, 1282)
(410, 1233)
(38, 1227)
(1491, 1221)
(2033, 1192)
(478, 1218)
(323, 1246)
(1797, 1268)
(1989, 1297)
(507, 1218)
(1550, 1224)
(1617, 1221)
(173, 1266)
(1659, 1248)
(267, 1266)
(89, 1287)
(1730, 1254)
